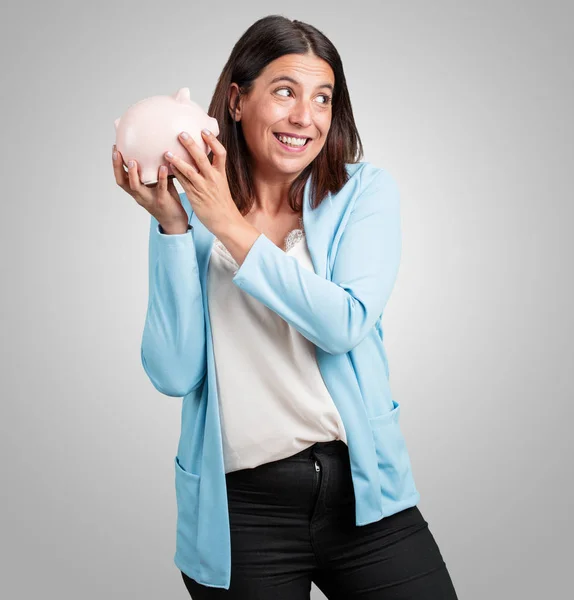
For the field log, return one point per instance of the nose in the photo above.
(301, 113)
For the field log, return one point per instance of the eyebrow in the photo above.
(287, 78)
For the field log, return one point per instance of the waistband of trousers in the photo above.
(331, 447)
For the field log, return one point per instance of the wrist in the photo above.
(175, 229)
(238, 237)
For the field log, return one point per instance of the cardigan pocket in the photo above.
(187, 496)
(393, 460)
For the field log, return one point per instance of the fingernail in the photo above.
(114, 155)
(184, 135)
(206, 131)
(131, 163)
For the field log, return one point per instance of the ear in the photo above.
(233, 95)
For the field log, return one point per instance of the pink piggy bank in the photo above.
(151, 127)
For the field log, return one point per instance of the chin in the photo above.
(292, 166)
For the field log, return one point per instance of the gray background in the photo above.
(468, 105)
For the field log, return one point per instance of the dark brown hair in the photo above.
(266, 40)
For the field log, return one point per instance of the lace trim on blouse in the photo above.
(292, 238)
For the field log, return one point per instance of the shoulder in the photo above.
(367, 185)
(366, 179)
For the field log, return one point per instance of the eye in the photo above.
(327, 99)
(326, 96)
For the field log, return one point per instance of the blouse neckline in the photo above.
(289, 242)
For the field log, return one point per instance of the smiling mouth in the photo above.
(293, 146)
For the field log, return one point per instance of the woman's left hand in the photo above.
(207, 190)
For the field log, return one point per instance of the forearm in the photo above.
(173, 348)
(238, 237)
(336, 310)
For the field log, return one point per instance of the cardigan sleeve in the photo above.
(334, 314)
(173, 346)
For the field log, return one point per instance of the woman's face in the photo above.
(300, 105)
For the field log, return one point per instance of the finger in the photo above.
(134, 178)
(218, 149)
(197, 153)
(162, 179)
(183, 180)
(119, 171)
(182, 169)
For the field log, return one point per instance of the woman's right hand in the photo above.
(160, 199)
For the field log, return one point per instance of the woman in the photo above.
(268, 279)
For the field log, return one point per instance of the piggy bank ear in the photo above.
(214, 126)
(182, 95)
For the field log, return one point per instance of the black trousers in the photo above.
(292, 522)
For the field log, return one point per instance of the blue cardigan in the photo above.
(354, 239)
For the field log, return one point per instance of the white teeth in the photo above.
(292, 141)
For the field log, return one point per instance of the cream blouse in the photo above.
(273, 401)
